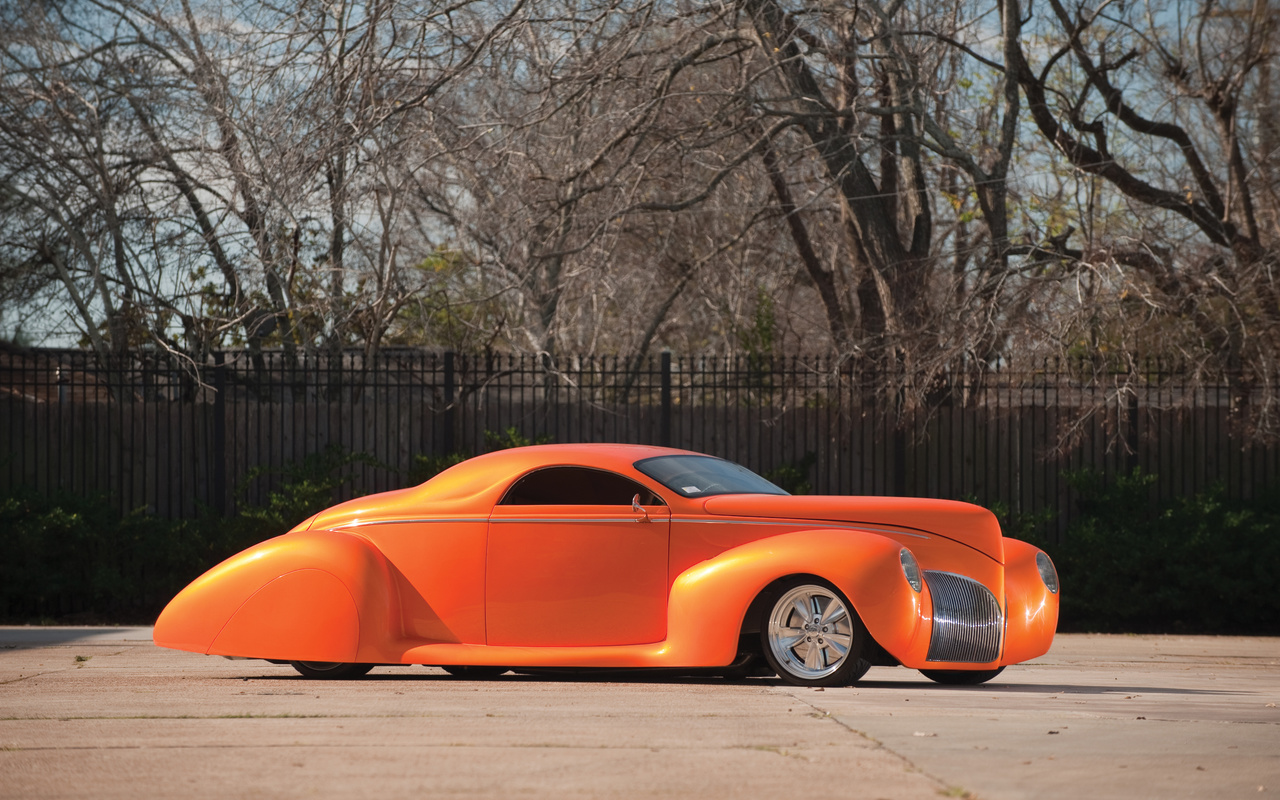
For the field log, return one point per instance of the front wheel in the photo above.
(329, 670)
(961, 677)
(811, 636)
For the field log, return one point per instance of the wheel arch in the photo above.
(753, 622)
(753, 617)
(737, 584)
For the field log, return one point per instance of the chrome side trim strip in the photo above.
(808, 523)
(695, 520)
(359, 524)
(579, 520)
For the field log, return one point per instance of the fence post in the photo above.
(1133, 441)
(449, 392)
(220, 433)
(899, 445)
(664, 435)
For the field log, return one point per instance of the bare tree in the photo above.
(1163, 107)
(70, 178)
(613, 177)
(825, 142)
(261, 152)
(593, 194)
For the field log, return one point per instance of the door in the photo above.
(571, 562)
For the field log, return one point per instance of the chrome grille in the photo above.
(967, 623)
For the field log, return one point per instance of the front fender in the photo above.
(1033, 609)
(305, 596)
(709, 600)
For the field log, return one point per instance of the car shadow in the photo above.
(649, 677)
(998, 686)
(37, 636)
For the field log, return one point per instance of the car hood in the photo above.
(965, 523)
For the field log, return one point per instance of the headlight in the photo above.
(911, 569)
(1047, 573)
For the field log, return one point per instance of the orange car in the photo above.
(589, 556)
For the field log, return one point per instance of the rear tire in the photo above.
(961, 677)
(812, 636)
(329, 670)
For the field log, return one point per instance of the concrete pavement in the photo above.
(102, 712)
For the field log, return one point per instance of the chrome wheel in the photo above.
(812, 637)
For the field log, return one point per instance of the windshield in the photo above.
(704, 476)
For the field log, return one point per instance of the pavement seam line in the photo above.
(29, 677)
(944, 787)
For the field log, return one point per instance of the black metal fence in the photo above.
(177, 438)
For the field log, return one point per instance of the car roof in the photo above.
(493, 471)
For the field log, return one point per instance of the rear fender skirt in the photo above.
(305, 615)
(321, 592)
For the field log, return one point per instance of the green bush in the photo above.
(69, 558)
(306, 487)
(1198, 564)
(78, 558)
(73, 558)
(426, 467)
(511, 437)
(793, 476)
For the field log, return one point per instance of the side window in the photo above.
(576, 486)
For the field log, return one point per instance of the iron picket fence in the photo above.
(179, 439)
